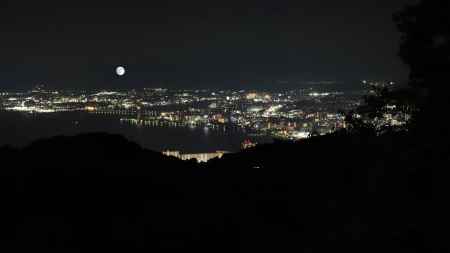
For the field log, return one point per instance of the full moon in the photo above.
(120, 71)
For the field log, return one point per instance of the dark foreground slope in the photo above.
(100, 192)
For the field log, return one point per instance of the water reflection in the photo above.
(21, 129)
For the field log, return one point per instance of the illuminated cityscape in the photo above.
(289, 114)
(200, 157)
(292, 114)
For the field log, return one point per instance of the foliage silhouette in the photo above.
(425, 48)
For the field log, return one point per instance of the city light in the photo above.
(292, 114)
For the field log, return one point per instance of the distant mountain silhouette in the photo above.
(337, 192)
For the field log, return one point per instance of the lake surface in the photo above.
(19, 129)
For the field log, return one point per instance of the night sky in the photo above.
(185, 44)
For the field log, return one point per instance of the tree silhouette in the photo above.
(425, 48)
(368, 118)
(425, 43)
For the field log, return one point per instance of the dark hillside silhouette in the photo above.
(337, 192)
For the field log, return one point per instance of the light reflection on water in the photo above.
(20, 129)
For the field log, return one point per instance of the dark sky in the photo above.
(196, 43)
